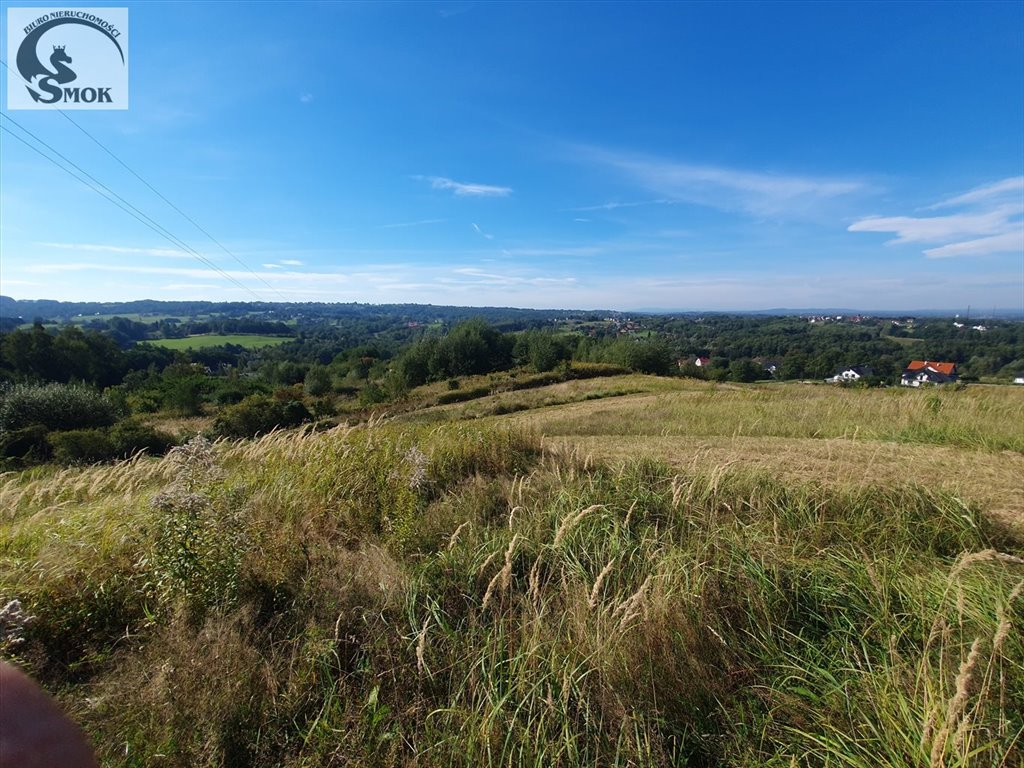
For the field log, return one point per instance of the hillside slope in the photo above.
(474, 592)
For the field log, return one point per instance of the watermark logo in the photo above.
(67, 58)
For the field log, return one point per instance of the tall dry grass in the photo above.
(983, 417)
(461, 595)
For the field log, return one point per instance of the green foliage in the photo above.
(317, 381)
(68, 355)
(744, 370)
(462, 395)
(129, 436)
(55, 406)
(123, 440)
(81, 446)
(471, 348)
(200, 537)
(24, 446)
(259, 414)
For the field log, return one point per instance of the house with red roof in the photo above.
(920, 372)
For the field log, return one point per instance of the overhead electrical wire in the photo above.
(120, 202)
(157, 192)
(162, 230)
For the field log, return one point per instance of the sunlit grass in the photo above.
(470, 594)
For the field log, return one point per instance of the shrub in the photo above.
(129, 437)
(55, 406)
(81, 446)
(26, 445)
(259, 414)
(461, 395)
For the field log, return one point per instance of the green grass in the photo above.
(460, 595)
(250, 341)
(983, 417)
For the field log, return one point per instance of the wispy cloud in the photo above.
(447, 13)
(1009, 242)
(420, 223)
(98, 248)
(476, 228)
(1011, 186)
(199, 273)
(466, 189)
(306, 98)
(756, 193)
(272, 266)
(291, 262)
(553, 252)
(989, 222)
(613, 205)
(476, 276)
(929, 229)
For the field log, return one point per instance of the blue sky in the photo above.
(691, 156)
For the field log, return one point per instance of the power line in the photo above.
(156, 192)
(121, 203)
(127, 208)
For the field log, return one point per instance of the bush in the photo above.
(81, 446)
(461, 395)
(26, 445)
(129, 437)
(259, 414)
(55, 406)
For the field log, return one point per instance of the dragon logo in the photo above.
(57, 84)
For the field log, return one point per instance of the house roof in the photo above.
(947, 369)
(929, 375)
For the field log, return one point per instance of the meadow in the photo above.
(625, 571)
(249, 341)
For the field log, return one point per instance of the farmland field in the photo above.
(251, 341)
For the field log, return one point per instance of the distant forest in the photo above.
(60, 362)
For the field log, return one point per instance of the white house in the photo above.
(926, 372)
(851, 373)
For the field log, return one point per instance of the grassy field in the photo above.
(969, 442)
(614, 572)
(252, 341)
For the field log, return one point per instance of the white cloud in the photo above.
(1011, 186)
(478, 277)
(988, 222)
(272, 266)
(420, 223)
(755, 193)
(465, 189)
(612, 206)
(185, 272)
(937, 228)
(556, 251)
(306, 98)
(291, 262)
(97, 248)
(476, 228)
(1004, 243)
